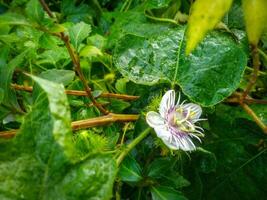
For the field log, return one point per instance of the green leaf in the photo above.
(176, 181)
(202, 19)
(6, 73)
(255, 18)
(47, 41)
(59, 76)
(75, 13)
(138, 26)
(121, 84)
(90, 51)
(204, 76)
(240, 168)
(35, 11)
(58, 56)
(159, 167)
(13, 19)
(118, 105)
(130, 170)
(78, 33)
(57, 120)
(206, 161)
(1, 95)
(235, 17)
(97, 40)
(42, 163)
(156, 4)
(91, 179)
(165, 193)
(238, 112)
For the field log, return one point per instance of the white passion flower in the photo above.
(175, 124)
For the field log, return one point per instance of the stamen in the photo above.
(191, 125)
(192, 135)
(198, 127)
(179, 97)
(201, 119)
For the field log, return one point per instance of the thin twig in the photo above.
(76, 62)
(82, 93)
(87, 123)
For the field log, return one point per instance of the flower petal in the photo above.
(163, 132)
(188, 144)
(167, 102)
(195, 110)
(180, 142)
(154, 119)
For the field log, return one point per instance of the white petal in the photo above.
(172, 143)
(188, 145)
(163, 132)
(176, 142)
(195, 109)
(154, 119)
(167, 102)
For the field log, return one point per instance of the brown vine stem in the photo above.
(82, 93)
(46, 8)
(76, 62)
(255, 117)
(235, 98)
(254, 76)
(87, 123)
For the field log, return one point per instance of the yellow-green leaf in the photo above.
(204, 16)
(255, 12)
(90, 51)
(57, 28)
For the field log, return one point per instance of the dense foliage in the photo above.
(77, 79)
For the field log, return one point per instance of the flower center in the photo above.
(180, 119)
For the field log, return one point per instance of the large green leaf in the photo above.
(138, 26)
(59, 76)
(204, 76)
(45, 164)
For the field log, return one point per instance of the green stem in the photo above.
(124, 5)
(130, 146)
(161, 19)
(261, 73)
(128, 6)
(98, 6)
(264, 55)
